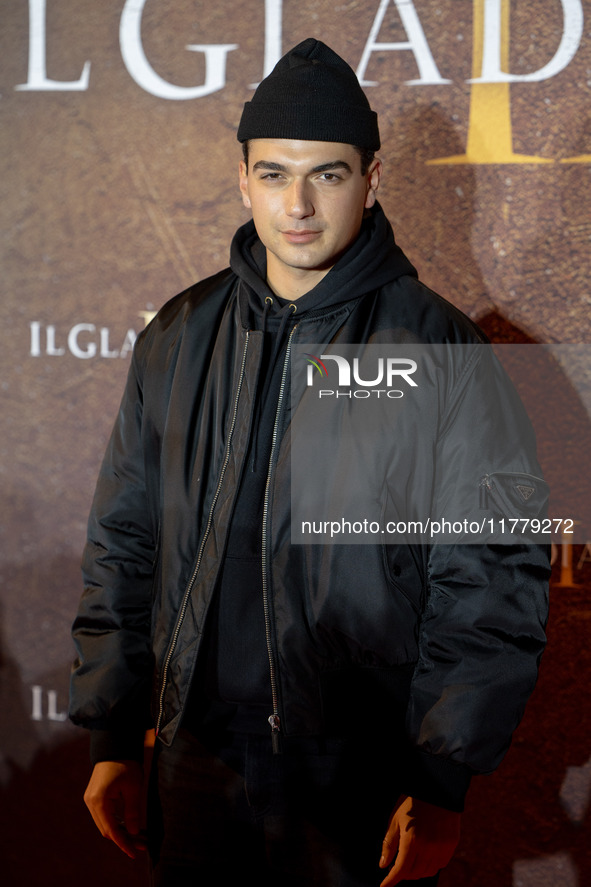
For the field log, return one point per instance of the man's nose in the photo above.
(299, 201)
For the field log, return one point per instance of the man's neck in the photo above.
(293, 284)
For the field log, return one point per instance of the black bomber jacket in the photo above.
(438, 643)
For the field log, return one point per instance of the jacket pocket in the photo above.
(405, 572)
(513, 494)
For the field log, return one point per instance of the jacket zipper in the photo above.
(485, 490)
(274, 719)
(191, 583)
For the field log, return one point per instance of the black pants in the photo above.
(232, 812)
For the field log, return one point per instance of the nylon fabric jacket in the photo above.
(438, 644)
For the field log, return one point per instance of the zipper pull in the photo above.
(484, 488)
(275, 733)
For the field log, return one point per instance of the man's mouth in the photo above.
(306, 235)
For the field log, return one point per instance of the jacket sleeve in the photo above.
(482, 631)
(111, 675)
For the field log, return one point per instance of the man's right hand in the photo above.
(114, 798)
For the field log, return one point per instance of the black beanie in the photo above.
(311, 94)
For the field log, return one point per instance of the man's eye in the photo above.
(329, 177)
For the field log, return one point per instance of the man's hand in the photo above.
(421, 838)
(114, 796)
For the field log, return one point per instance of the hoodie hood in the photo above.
(373, 260)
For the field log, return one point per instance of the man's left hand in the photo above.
(421, 838)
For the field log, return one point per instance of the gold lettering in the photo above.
(585, 555)
(579, 158)
(148, 315)
(566, 568)
(490, 137)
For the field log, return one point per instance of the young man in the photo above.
(319, 709)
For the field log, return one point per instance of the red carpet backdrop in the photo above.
(118, 188)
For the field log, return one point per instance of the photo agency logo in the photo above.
(368, 376)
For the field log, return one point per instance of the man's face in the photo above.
(307, 201)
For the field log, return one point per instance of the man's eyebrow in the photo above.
(323, 167)
(267, 164)
(336, 164)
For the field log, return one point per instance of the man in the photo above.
(309, 700)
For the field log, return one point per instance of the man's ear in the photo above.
(374, 175)
(243, 179)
